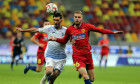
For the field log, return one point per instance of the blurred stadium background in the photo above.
(107, 14)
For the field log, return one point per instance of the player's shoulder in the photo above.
(70, 27)
(48, 26)
(87, 24)
(63, 27)
(37, 33)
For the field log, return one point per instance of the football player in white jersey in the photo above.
(55, 52)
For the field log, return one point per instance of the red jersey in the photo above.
(81, 36)
(42, 38)
(104, 44)
(11, 45)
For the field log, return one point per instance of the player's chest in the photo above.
(78, 34)
(18, 41)
(57, 33)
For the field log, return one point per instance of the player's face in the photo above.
(78, 18)
(57, 21)
(19, 35)
(105, 36)
(46, 23)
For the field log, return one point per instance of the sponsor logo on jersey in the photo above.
(78, 37)
(63, 34)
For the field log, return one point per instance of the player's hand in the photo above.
(118, 32)
(41, 45)
(73, 42)
(19, 29)
(18, 45)
(52, 39)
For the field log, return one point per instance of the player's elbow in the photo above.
(32, 39)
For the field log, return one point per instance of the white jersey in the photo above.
(54, 49)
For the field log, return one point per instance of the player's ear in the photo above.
(61, 20)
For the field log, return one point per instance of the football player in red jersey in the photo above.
(82, 57)
(42, 43)
(104, 43)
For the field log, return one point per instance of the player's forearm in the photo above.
(105, 31)
(64, 41)
(34, 41)
(30, 30)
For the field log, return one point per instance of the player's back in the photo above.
(104, 43)
(42, 38)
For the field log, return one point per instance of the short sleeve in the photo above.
(44, 29)
(100, 42)
(37, 34)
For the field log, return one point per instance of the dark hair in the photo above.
(57, 15)
(46, 20)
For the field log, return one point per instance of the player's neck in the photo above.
(77, 26)
(59, 27)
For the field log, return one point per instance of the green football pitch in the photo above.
(113, 75)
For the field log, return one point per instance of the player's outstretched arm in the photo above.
(27, 30)
(118, 32)
(63, 40)
(103, 31)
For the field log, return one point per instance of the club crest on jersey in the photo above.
(83, 30)
(78, 37)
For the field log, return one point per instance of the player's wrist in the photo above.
(55, 39)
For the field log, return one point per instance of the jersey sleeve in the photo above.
(97, 29)
(45, 29)
(66, 37)
(37, 35)
(100, 42)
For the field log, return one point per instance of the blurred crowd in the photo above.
(26, 14)
(109, 14)
(115, 15)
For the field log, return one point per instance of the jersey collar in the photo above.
(78, 27)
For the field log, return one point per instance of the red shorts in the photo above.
(83, 61)
(40, 58)
(104, 52)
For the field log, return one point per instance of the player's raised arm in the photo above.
(103, 31)
(27, 30)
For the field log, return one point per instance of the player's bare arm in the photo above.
(34, 40)
(118, 32)
(73, 42)
(27, 30)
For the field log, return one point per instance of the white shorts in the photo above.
(56, 64)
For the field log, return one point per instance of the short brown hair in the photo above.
(79, 12)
